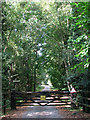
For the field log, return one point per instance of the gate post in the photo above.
(4, 109)
(13, 100)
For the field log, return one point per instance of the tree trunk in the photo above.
(34, 79)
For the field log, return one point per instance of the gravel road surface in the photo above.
(42, 112)
(46, 88)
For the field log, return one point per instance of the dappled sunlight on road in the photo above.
(43, 113)
(46, 88)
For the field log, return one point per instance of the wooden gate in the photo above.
(44, 98)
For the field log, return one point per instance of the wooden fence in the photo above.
(5, 101)
(83, 100)
(13, 99)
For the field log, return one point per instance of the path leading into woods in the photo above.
(42, 111)
(46, 88)
(46, 112)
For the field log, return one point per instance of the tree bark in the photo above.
(34, 78)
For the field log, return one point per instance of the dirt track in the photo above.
(42, 112)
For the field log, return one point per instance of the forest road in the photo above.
(42, 111)
(46, 88)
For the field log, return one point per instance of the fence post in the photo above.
(73, 97)
(85, 101)
(13, 100)
(4, 108)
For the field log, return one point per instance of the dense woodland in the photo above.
(45, 41)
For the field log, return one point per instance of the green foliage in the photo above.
(42, 39)
(79, 39)
(39, 88)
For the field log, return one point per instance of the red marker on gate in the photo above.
(73, 91)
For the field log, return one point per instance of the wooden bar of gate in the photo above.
(32, 96)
